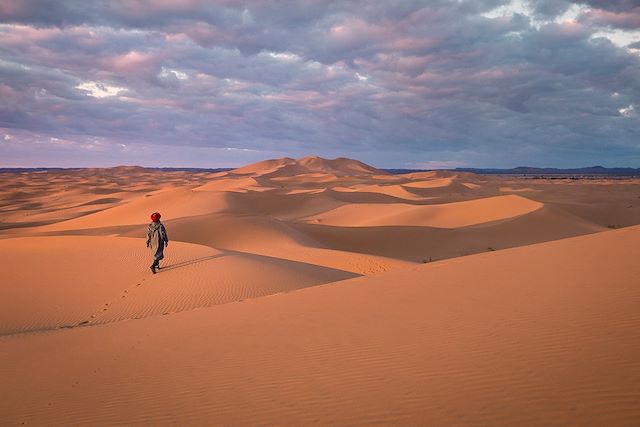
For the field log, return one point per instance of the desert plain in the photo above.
(319, 292)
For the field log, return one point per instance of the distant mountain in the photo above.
(312, 164)
(525, 170)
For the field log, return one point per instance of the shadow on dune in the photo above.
(190, 262)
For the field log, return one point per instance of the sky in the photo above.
(396, 84)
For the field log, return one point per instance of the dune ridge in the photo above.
(315, 291)
(289, 167)
(91, 280)
(448, 215)
(433, 343)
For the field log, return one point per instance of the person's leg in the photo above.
(159, 257)
(154, 266)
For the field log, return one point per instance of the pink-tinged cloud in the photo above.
(412, 44)
(151, 6)
(13, 10)
(565, 31)
(16, 34)
(310, 100)
(131, 64)
(625, 20)
(396, 63)
(357, 32)
(153, 102)
(202, 33)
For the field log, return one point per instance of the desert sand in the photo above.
(316, 291)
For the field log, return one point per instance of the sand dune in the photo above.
(227, 183)
(264, 166)
(287, 167)
(306, 191)
(172, 204)
(552, 339)
(317, 291)
(273, 238)
(449, 215)
(516, 190)
(54, 196)
(340, 165)
(102, 279)
(393, 190)
(471, 185)
(421, 244)
(431, 183)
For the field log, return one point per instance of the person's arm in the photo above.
(164, 236)
(148, 236)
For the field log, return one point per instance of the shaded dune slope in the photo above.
(421, 244)
(270, 237)
(547, 334)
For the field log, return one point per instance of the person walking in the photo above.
(157, 240)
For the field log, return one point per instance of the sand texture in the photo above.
(319, 292)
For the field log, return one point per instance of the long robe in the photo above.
(157, 239)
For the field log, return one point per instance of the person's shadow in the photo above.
(190, 262)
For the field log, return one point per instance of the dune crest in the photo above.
(307, 165)
(448, 215)
(173, 204)
(263, 166)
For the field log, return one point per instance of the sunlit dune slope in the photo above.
(52, 282)
(432, 183)
(231, 183)
(263, 166)
(546, 334)
(393, 190)
(174, 203)
(448, 215)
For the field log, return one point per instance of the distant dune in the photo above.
(316, 291)
(312, 164)
(447, 215)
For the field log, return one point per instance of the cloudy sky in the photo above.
(410, 84)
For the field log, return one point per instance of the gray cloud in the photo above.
(612, 5)
(392, 83)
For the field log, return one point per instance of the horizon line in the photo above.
(6, 168)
